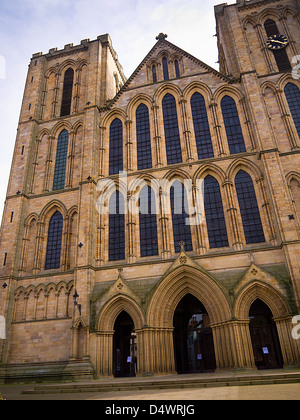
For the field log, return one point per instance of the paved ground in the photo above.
(254, 392)
(261, 392)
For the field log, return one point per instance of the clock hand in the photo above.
(279, 42)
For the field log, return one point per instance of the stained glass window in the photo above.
(172, 137)
(61, 161)
(292, 94)
(201, 127)
(214, 213)
(249, 209)
(143, 138)
(180, 217)
(177, 70)
(233, 127)
(55, 232)
(154, 75)
(116, 227)
(148, 223)
(116, 147)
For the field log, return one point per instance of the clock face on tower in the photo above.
(277, 42)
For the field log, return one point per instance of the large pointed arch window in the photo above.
(281, 57)
(233, 127)
(61, 160)
(180, 217)
(67, 93)
(201, 127)
(172, 137)
(55, 232)
(116, 147)
(214, 214)
(292, 94)
(143, 137)
(253, 229)
(116, 227)
(148, 223)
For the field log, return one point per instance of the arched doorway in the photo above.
(264, 337)
(193, 340)
(125, 347)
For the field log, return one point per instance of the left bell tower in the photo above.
(50, 185)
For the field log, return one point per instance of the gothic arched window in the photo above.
(214, 214)
(165, 68)
(177, 70)
(180, 217)
(201, 127)
(55, 232)
(148, 223)
(116, 227)
(143, 138)
(154, 74)
(292, 94)
(249, 208)
(280, 56)
(67, 93)
(233, 127)
(61, 161)
(172, 137)
(116, 147)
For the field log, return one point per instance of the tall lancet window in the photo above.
(214, 214)
(116, 248)
(143, 138)
(67, 93)
(55, 232)
(172, 137)
(148, 223)
(201, 127)
(253, 229)
(180, 217)
(61, 161)
(165, 68)
(292, 94)
(154, 74)
(116, 147)
(233, 127)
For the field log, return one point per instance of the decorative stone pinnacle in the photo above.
(161, 36)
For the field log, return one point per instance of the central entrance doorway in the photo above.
(193, 340)
(125, 346)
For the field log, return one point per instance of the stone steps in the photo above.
(134, 384)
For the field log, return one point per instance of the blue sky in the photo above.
(30, 26)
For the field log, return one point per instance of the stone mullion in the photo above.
(65, 242)
(35, 163)
(128, 145)
(48, 165)
(100, 239)
(164, 224)
(237, 241)
(266, 208)
(70, 160)
(44, 97)
(199, 217)
(25, 241)
(76, 91)
(56, 89)
(131, 228)
(248, 124)
(217, 128)
(157, 137)
(38, 248)
(101, 150)
(186, 131)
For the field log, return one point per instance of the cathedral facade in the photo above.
(152, 224)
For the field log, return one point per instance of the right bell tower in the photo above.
(261, 36)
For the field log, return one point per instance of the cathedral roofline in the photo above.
(245, 4)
